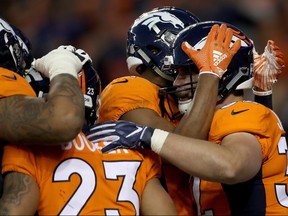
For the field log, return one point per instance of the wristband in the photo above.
(210, 72)
(261, 93)
(157, 140)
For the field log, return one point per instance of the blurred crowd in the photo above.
(100, 28)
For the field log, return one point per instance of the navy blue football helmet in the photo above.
(150, 37)
(90, 84)
(91, 87)
(15, 48)
(239, 72)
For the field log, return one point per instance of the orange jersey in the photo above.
(13, 84)
(76, 178)
(266, 193)
(131, 92)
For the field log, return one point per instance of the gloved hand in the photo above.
(81, 54)
(216, 55)
(63, 60)
(267, 67)
(124, 134)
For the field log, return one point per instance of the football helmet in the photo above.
(150, 37)
(240, 70)
(90, 84)
(15, 48)
(91, 87)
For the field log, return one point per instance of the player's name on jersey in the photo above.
(81, 143)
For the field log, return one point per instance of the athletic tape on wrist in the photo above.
(261, 93)
(157, 140)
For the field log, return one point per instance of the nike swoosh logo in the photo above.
(122, 81)
(134, 132)
(237, 112)
(10, 77)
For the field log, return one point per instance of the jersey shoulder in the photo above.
(125, 94)
(245, 116)
(13, 84)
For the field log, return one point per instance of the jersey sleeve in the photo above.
(18, 159)
(126, 94)
(13, 84)
(250, 117)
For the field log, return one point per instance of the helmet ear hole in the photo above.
(154, 50)
(141, 68)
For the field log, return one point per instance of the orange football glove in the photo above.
(216, 55)
(267, 66)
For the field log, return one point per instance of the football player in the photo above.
(76, 178)
(246, 147)
(136, 98)
(26, 119)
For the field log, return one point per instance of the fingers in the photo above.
(236, 46)
(188, 49)
(228, 38)
(281, 62)
(212, 34)
(222, 35)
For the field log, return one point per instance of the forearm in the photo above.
(237, 159)
(196, 123)
(194, 156)
(65, 99)
(31, 120)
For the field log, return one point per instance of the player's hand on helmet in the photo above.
(216, 54)
(267, 67)
(124, 134)
(63, 60)
(81, 54)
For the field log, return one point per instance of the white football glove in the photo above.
(63, 60)
(267, 67)
(81, 54)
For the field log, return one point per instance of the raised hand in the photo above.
(267, 67)
(216, 54)
(81, 54)
(63, 60)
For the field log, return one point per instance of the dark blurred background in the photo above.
(100, 28)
